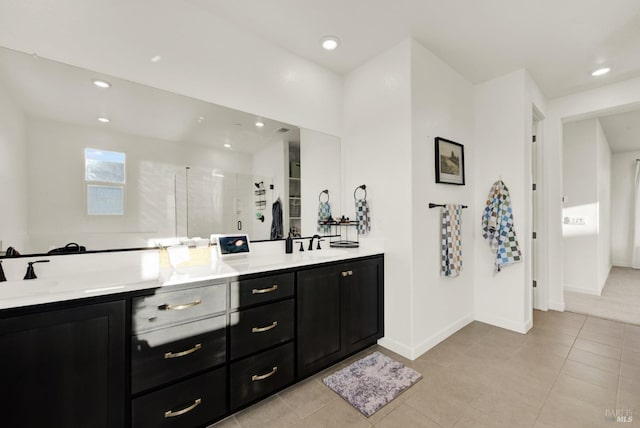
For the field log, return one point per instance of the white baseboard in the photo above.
(520, 327)
(441, 335)
(556, 306)
(396, 347)
(581, 290)
(415, 352)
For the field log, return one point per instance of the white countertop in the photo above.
(63, 287)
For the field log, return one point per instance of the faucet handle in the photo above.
(318, 247)
(31, 273)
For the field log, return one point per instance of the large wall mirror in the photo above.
(110, 164)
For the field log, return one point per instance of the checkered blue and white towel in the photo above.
(497, 226)
(362, 215)
(324, 214)
(451, 242)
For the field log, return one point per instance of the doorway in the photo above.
(599, 161)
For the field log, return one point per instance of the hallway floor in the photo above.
(620, 299)
(570, 370)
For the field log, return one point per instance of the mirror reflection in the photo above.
(110, 164)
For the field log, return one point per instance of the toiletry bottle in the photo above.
(288, 245)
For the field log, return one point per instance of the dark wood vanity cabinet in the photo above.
(178, 356)
(184, 356)
(262, 331)
(64, 368)
(339, 311)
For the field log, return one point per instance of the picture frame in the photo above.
(449, 162)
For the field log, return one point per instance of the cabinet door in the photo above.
(321, 341)
(364, 300)
(64, 368)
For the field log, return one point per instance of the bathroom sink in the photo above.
(331, 252)
(326, 253)
(27, 288)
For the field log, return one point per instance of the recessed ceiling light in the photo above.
(101, 83)
(601, 71)
(259, 124)
(156, 58)
(227, 146)
(104, 119)
(330, 42)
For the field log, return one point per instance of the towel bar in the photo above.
(432, 205)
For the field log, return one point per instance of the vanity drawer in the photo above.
(249, 292)
(166, 308)
(260, 375)
(160, 356)
(261, 327)
(190, 403)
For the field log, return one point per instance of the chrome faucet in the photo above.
(311, 242)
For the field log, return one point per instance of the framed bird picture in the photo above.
(449, 162)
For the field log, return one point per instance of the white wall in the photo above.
(13, 174)
(580, 184)
(503, 129)
(582, 105)
(604, 206)
(442, 105)
(419, 97)
(57, 208)
(377, 148)
(587, 191)
(623, 169)
(320, 168)
(203, 56)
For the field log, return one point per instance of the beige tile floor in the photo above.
(568, 371)
(619, 301)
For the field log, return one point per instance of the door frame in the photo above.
(539, 294)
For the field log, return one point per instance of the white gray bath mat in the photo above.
(372, 382)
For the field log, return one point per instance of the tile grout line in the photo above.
(624, 337)
(560, 371)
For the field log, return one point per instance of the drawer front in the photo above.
(255, 329)
(190, 403)
(163, 309)
(260, 375)
(160, 356)
(249, 292)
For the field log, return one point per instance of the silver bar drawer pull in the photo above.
(172, 414)
(262, 329)
(169, 355)
(179, 307)
(264, 290)
(256, 377)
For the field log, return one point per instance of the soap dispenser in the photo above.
(288, 245)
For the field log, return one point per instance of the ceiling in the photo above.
(558, 42)
(622, 130)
